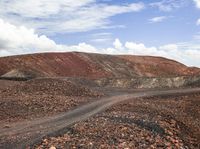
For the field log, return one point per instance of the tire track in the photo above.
(24, 134)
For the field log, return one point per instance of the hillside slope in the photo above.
(75, 64)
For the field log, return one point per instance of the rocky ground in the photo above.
(26, 100)
(154, 122)
(167, 122)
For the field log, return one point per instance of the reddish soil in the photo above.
(40, 97)
(161, 122)
(170, 122)
(157, 66)
(76, 64)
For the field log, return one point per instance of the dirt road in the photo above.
(21, 135)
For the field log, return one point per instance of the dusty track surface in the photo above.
(169, 122)
(21, 135)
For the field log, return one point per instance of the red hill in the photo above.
(88, 65)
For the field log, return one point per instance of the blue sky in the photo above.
(179, 26)
(167, 28)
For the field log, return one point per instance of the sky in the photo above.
(166, 28)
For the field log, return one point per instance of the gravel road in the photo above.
(21, 135)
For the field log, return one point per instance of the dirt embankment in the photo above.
(146, 82)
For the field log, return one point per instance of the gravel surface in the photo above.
(154, 122)
(169, 122)
(27, 100)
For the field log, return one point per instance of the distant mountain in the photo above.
(87, 65)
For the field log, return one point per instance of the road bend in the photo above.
(24, 134)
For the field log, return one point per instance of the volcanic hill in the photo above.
(93, 66)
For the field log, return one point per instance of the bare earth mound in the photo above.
(87, 65)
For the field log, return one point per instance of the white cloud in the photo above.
(197, 36)
(102, 34)
(169, 5)
(20, 40)
(61, 16)
(198, 22)
(101, 37)
(158, 19)
(184, 52)
(197, 2)
(15, 40)
(139, 48)
(169, 47)
(117, 44)
(101, 40)
(82, 47)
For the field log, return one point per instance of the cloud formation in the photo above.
(15, 40)
(63, 16)
(198, 22)
(185, 53)
(117, 44)
(197, 2)
(157, 19)
(169, 5)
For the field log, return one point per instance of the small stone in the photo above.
(7, 126)
(52, 147)
(90, 143)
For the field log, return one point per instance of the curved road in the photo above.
(21, 135)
